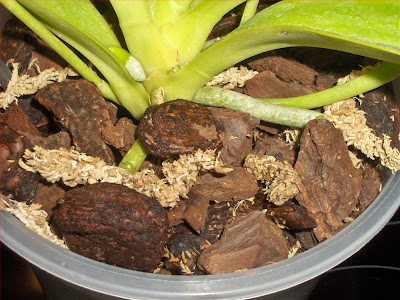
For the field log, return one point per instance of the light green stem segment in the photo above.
(249, 10)
(134, 158)
(21, 13)
(288, 116)
(382, 74)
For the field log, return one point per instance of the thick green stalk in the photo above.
(167, 11)
(134, 158)
(382, 74)
(197, 22)
(288, 116)
(249, 11)
(21, 13)
(143, 37)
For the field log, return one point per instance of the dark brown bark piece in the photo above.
(294, 216)
(331, 184)
(267, 85)
(120, 136)
(178, 127)
(16, 119)
(223, 27)
(272, 146)
(113, 224)
(17, 43)
(23, 46)
(235, 185)
(57, 140)
(237, 128)
(14, 179)
(48, 195)
(371, 184)
(382, 112)
(286, 69)
(307, 239)
(185, 248)
(80, 109)
(249, 241)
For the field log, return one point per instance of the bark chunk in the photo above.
(236, 185)
(267, 85)
(113, 224)
(292, 215)
(80, 109)
(178, 127)
(331, 184)
(237, 128)
(382, 113)
(249, 241)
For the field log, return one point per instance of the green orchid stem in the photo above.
(249, 10)
(289, 116)
(21, 13)
(134, 158)
(373, 79)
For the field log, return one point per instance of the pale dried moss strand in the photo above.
(351, 121)
(74, 168)
(32, 216)
(233, 77)
(25, 85)
(281, 180)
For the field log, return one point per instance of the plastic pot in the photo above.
(67, 275)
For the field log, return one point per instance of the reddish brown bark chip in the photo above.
(235, 185)
(113, 224)
(237, 128)
(48, 195)
(331, 184)
(291, 215)
(23, 46)
(178, 127)
(17, 120)
(371, 184)
(287, 69)
(223, 27)
(267, 85)
(80, 109)
(249, 241)
(22, 184)
(121, 136)
(272, 146)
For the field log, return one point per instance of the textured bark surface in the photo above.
(80, 109)
(382, 112)
(178, 127)
(292, 215)
(331, 184)
(249, 241)
(113, 224)
(236, 185)
(237, 132)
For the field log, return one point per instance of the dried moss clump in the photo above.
(281, 180)
(32, 216)
(351, 121)
(25, 85)
(74, 168)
